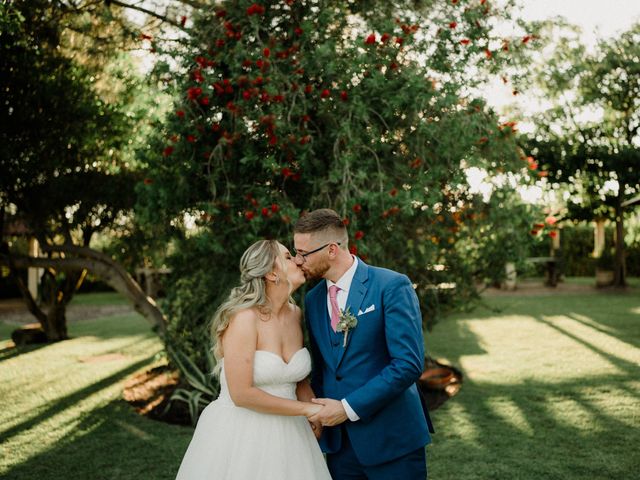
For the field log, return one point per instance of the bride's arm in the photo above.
(239, 346)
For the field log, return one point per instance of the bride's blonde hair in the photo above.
(256, 262)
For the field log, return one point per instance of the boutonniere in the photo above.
(346, 321)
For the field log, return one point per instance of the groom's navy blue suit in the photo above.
(376, 371)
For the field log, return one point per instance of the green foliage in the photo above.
(204, 387)
(283, 107)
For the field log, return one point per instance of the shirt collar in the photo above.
(344, 282)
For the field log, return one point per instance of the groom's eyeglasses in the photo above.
(303, 256)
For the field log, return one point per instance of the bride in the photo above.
(257, 428)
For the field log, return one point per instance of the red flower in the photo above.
(371, 39)
(345, 221)
(148, 181)
(304, 140)
(273, 140)
(344, 96)
(247, 63)
(416, 163)
(220, 43)
(399, 40)
(286, 172)
(266, 52)
(359, 235)
(488, 53)
(183, 20)
(465, 41)
(278, 98)
(543, 173)
(298, 31)
(265, 212)
(306, 118)
(144, 36)
(191, 138)
(204, 100)
(246, 94)
(325, 93)
(357, 208)
(553, 234)
(255, 9)
(274, 207)
(221, 13)
(180, 113)
(194, 92)
(453, 25)
(526, 38)
(215, 127)
(393, 192)
(353, 250)
(167, 151)
(249, 214)
(551, 220)
(308, 89)
(515, 92)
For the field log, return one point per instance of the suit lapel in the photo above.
(357, 291)
(320, 319)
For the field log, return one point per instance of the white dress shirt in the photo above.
(344, 284)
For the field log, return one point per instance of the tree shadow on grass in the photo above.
(534, 430)
(71, 399)
(110, 443)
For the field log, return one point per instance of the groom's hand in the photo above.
(332, 412)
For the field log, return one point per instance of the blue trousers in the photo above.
(344, 465)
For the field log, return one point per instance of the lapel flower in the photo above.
(346, 321)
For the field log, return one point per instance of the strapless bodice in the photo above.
(272, 374)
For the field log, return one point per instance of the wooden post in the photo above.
(34, 274)
(598, 237)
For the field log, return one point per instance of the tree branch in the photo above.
(148, 12)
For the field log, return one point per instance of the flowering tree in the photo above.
(286, 106)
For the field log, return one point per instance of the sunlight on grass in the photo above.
(55, 388)
(510, 412)
(572, 349)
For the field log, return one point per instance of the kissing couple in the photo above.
(361, 406)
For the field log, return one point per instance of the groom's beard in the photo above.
(316, 272)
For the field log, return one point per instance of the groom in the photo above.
(376, 426)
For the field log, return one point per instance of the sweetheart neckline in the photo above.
(282, 359)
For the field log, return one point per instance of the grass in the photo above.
(551, 391)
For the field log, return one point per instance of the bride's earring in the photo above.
(277, 280)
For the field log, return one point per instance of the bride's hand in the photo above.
(310, 409)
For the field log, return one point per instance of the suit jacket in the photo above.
(377, 370)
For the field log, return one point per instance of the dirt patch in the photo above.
(108, 357)
(149, 393)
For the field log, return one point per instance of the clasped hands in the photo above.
(330, 413)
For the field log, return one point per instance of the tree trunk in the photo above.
(619, 277)
(56, 326)
(78, 259)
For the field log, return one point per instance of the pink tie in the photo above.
(335, 311)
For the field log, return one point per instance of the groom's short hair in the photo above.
(323, 222)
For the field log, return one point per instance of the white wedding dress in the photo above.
(235, 443)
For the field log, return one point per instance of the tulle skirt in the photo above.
(234, 443)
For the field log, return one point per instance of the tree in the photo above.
(65, 161)
(589, 139)
(285, 106)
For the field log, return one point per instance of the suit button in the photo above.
(338, 377)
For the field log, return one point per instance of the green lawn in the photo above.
(552, 388)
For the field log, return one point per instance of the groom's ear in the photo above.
(271, 276)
